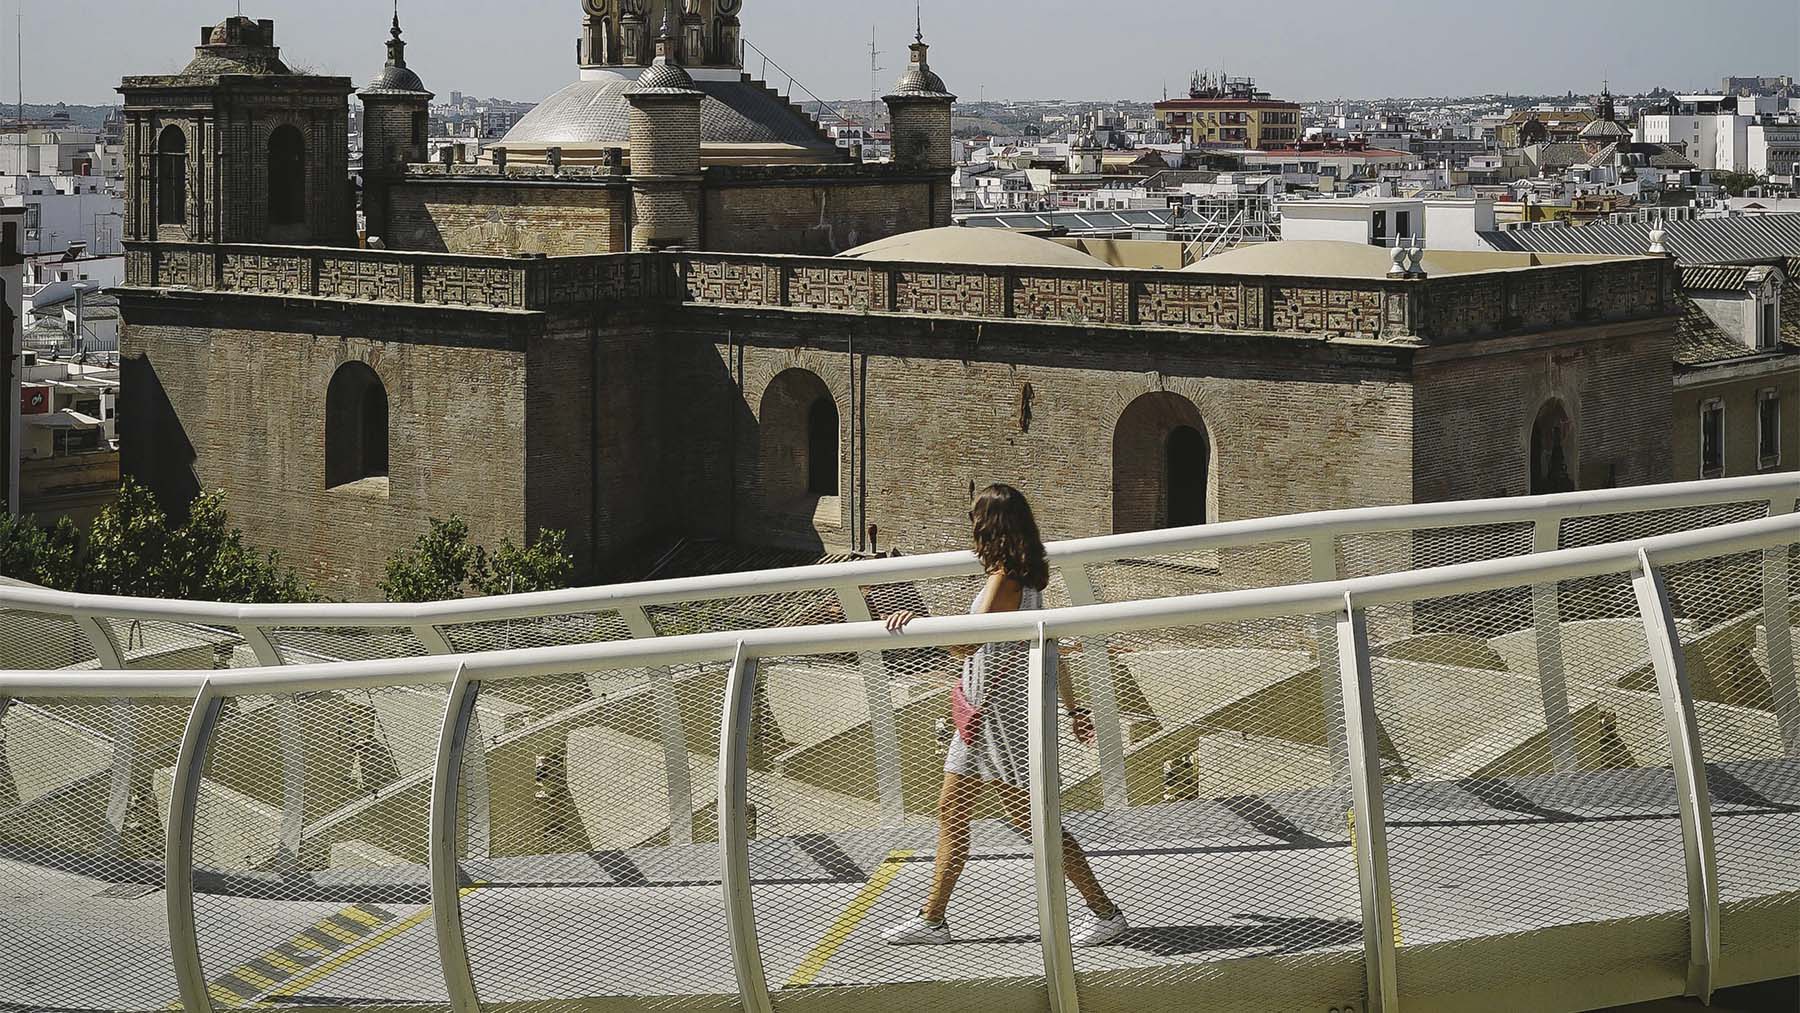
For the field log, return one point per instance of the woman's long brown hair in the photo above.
(1006, 536)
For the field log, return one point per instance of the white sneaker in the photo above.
(916, 931)
(1097, 931)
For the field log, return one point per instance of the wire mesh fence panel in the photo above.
(1366, 553)
(537, 631)
(1231, 858)
(303, 646)
(588, 838)
(82, 913)
(40, 641)
(835, 862)
(758, 612)
(1201, 571)
(1603, 529)
(1531, 811)
(1736, 618)
(311, 882)
(152, 644)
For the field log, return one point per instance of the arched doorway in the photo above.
(356, 426)
(171, 176)
(822, 447)
(1164, 474)
(1552, 450)
(287, 176)
(1187, 464)
(800, 430)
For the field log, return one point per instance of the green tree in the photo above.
(1736, 184)
(134, 548)
(442, 565)
(38, 555)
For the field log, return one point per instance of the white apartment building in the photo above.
(1774, 149)
(1429, 223)
(66, 211)
(48, 151)
(1717, 136)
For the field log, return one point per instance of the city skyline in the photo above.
(1038, 57)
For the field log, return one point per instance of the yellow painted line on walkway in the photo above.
(336, 963)
(846, 923)
(336, 933)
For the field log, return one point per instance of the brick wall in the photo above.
(1294, 427)
(1477, 404)
(1740, 397)
(814, 219)
(457, 217)
(230, 395)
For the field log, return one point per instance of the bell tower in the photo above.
(238, 148)
(396, 128)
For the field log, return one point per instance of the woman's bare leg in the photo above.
(1075, 864)
(955, 808)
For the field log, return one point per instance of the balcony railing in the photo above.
(1395, 825)
(1471, 768)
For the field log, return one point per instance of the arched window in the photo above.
(171, 177)
(800, 452)
(356, 426)
(287, 176)
(1185, 468)
(1163, 474)
(822, 448)
(1552, 450)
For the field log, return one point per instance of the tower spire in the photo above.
(919, 12)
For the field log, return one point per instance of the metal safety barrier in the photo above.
(1355, 793)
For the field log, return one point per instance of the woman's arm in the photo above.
(1001, 594)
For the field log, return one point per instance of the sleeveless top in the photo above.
(997, 679)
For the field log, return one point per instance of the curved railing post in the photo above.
(293, 750)
(432, 639)
(1103, 696)
(1553, 682)
(124, 732)
(445, 827)
(261, 646)
(881, 713)
(1370, 813)
(1044, 741)
(734, 832)
(674, 735)
(1322, 555)
(1689, 766)
(178, 850)
(1778, 636)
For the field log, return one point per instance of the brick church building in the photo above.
(652, 312)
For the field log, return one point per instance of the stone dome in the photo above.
(960, 245)
(740, 121)
(237, 45)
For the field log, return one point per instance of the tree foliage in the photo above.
(134, 548)
(443, 565)
(1737, 184)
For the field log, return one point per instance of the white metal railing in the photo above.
(1771, 542)
(1324, 537)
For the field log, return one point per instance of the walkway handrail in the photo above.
(1066, 623)
(865, 573)
(1342, 602)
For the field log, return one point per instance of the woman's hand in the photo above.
(897, 621)
(1084, 726)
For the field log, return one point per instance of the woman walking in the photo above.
(991, 712)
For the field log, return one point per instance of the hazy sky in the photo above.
(76, 50)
